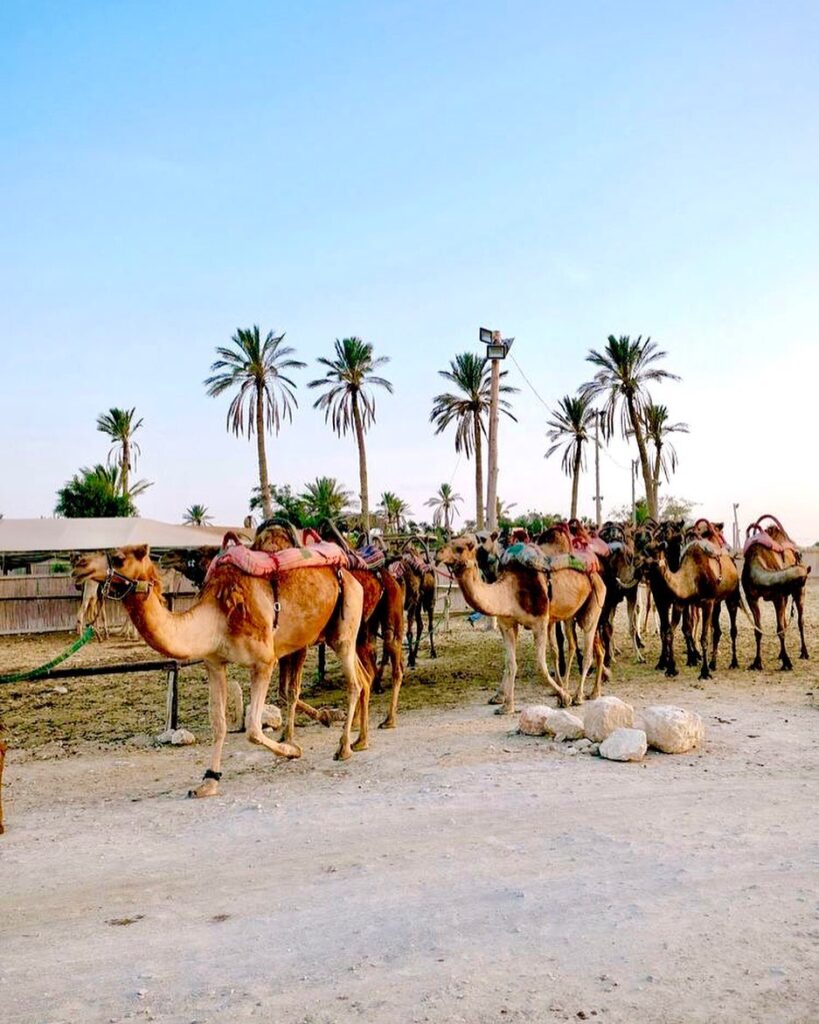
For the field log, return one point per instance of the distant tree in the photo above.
(197, 515)
(394, 510)
(94, 493)
(325, 498)
(569, 431)
(536, 522)
(286, 504)
(348, 403)
(626, 367)
(120, 426)
(444, 504)
(256, 369)
(468, 408)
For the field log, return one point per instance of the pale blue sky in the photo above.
(407, 172)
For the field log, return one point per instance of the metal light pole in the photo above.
(497, 348)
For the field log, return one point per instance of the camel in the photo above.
(92, 607)
(523, 596)
(244, 620)
(772, 571)
(706, 577)
(421, 593)
(621, 583)
(383, 611)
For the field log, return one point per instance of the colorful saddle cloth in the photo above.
(368, 558)
(416, 564)
(711, 549)
(268, 563)
(531, 557)
(397, 570)
(766, 541)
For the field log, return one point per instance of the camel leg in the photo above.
(378, 686)
(756, 613)
(505, 695)
(217, 679)
(393, 645)
(294, 672)
(689, 628)
(634, 626)
(259, 685)
(431, 629)
(589, 623)
(799, 601)
(419, 630)
(716, 634)
(781, 606)
(670, 626)
(707, 612)
(663, 613)
(571, 650)
(541, 635)
(733, 607)
(561, 652)
(557, 650)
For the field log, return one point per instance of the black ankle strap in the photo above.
(212, 775)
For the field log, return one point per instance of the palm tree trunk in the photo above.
(479, 518)
(656, 475)
(362, 466)
(264, 482)
(446, 522)
(125, 467)
(637, 427)
(576, 479)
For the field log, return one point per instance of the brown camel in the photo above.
(421, 593)
(244, 620)
(383, 611)
(706, 577)
(773, 571)
(523, 596)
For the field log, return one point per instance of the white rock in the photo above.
(533, 720)
(602, 716)
(165, 737)
(563, 725)
(584, 745)
(672, 730)
(624, 745)
(271, 717)
(182, 738)
(60, 689)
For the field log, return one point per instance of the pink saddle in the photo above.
(266, 564)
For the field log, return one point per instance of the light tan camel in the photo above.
(244, 620)
(773, 571)
(525, 597)
(92, 607)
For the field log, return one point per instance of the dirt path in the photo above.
(454, 872)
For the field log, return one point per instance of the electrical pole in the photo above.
(497, 348)
(597, 497)
(736, 527)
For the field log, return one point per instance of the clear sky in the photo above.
(408, 172)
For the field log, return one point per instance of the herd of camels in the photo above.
(567, 579)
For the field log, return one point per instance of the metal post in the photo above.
(736, 527)
(597, 497)
(172, 698)
(634, 464)
(492, 490)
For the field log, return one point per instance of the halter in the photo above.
(113, 577)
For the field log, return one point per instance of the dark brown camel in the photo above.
(773, 571)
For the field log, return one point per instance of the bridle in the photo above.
(115, 578)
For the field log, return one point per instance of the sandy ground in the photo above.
(454, 872)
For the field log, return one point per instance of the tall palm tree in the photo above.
(569, 431)
(256, 368)
(626, 367)
(347, 401)
(394, 509)
(120, 426)
(443, 503)
(325, 498)
(197, 515)
(657, 431)
(468, 409)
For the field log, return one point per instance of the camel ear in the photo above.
(140, 551)
(494, 535)
(470, 545)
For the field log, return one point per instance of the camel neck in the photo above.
(483, 597)
(179, 635)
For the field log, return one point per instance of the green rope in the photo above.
(33, 673)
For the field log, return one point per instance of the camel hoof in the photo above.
(671, 672)
(577, 701)
(377, 688)
(360, 745)
(496, 698)
(388, 723)
(294, 750)
(734, 663)
(343, 754)
(210, 787)
(804, 656)
(504, 709)
(787, 666)
(755, 666)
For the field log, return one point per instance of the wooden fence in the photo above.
(49, 604)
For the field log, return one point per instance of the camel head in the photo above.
(651, 553)
(459, 554)
(118, 569)
(192, 563)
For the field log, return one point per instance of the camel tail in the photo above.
(747, 613)
(777, 578)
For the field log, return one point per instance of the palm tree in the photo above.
(569, 431)
(120, 426)
(325, 498)
(657, 430)
(256, 369)
(347, 401)
(471, 375)
(94, 493)
(394, 510)
(197, 515)
(626, 367)
(443, 503)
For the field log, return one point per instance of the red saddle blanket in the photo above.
(767, 541)
(271, 563)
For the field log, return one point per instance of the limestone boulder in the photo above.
(563, 725)
(176, 737)
(624, 745)
(271, 717)
(602, 716)
(672, 730)
(533, 720)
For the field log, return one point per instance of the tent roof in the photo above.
(42, 538)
